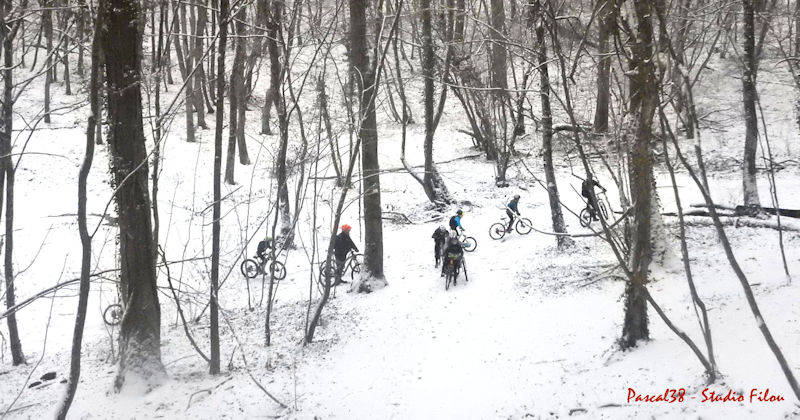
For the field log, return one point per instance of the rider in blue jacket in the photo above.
(455, 221)
(511, 209)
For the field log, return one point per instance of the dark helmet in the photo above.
(460, 212)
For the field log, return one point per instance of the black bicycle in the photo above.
(453, 265)
(353, 264)
(588, 213)
(252, 267)
(112, 316)
(522, 225)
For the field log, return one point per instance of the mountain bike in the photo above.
(588, 213)
(353, 263)
(252, 267)
(112, 315)
(453, 264)
(467, 242)
(522, 225)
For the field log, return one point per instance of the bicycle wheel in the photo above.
(278, 270)
(355, 268)
(469, 244)
(324, 270)
(113, 314)
(603, 211)
(586, 218)
(497, 231)
(524, 226)
(250, 268)
(448, 278)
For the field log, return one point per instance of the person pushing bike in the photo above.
(341, 246)
(587, 190)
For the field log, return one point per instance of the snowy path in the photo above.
(462, 353)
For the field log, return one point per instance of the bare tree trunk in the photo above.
(199, 26)
(238, 86)
(7, 177)
(274, 67)
(643, 100)
(66, 14)
(557, 217)
(185, 65)
(607, 22)
(140, 331)
(214, 366)
(47, 23)
(432, 181)
(83, 231)
(749, 183)
(368, 132)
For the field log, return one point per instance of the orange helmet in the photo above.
(346, 228)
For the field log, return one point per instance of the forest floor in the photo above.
(532, 334)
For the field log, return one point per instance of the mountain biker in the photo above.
(455, 222)
(439, 236)
(263, 248)
(512, 208)
(587, 190)
(453, 250)
(341, 247)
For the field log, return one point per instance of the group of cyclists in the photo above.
(447, 245)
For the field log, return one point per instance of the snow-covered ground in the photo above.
(532, 334)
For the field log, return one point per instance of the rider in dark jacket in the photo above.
(453, 248)
(341, 247)
(439, 236)
(587, 190)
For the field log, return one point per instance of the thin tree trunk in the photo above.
(606, 25)
(214, 365)
(749, 183)
(47, 22)
(557, 217)
(238, 86)
(83, 231)
(7, 180)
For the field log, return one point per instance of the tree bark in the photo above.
(140, 331)
(368, 132)
(557, 217)
(749, 183)
(83, 231)
(432, 181)
(606, 25)
(7, 181)
(643, 100)
(214, 364)
(47, 23)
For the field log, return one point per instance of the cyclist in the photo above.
(439, 236)
(455, 222)
(453, 250)
(341, 247)
(512, 208)
(587, 190)
(263, 248)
